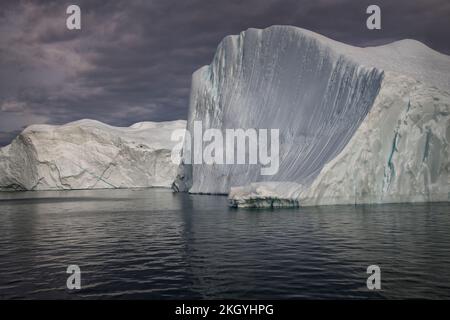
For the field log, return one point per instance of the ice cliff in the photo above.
(357, 125)
(88, 154)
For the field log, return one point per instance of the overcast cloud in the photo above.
(133, 60)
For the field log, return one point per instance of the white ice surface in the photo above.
(88, 154)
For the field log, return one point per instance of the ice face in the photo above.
(283, 79)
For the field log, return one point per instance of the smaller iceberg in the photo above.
(88, 154)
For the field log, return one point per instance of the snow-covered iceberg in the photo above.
(357, 125)
(88, 154)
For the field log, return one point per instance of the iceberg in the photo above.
(357, 125)
(88, 154)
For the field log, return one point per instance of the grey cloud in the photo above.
(133, 60)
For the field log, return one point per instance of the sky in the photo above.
(132, 60)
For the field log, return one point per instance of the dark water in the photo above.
(153, 244)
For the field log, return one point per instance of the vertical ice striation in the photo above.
(279, 78)
(400, 153)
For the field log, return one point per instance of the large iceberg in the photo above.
(88, 154)
(357, 125)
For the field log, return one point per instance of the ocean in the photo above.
(155, 244)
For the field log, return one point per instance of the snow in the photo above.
(88, 154)
(323, 96)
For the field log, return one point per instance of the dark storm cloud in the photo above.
(132, 61)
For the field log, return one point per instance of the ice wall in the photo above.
(279, 78)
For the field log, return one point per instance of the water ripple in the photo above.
(153, 244)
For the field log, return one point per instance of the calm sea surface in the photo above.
(153, 244)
